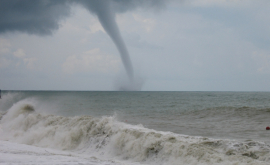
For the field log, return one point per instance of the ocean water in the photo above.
(98, 128)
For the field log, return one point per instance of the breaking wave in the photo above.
(107, 137)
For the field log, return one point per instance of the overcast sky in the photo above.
(192, 45)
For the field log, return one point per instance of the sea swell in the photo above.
(107, 137)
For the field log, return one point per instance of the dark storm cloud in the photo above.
(128, 5)
(32, 16)
(42, 16)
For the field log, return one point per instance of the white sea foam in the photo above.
(108, 138)
(12, 153)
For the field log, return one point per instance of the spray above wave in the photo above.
(106, 137)
(122, 83)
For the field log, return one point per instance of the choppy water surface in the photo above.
(143, 127)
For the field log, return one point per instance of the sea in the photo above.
(134, 128)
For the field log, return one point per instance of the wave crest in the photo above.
(108, 137)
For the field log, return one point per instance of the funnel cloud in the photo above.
(106, 15)
(105, 11)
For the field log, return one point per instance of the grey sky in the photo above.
(188, 45)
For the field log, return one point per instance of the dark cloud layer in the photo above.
(42, 16)
(32, 16)
(128, 5)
